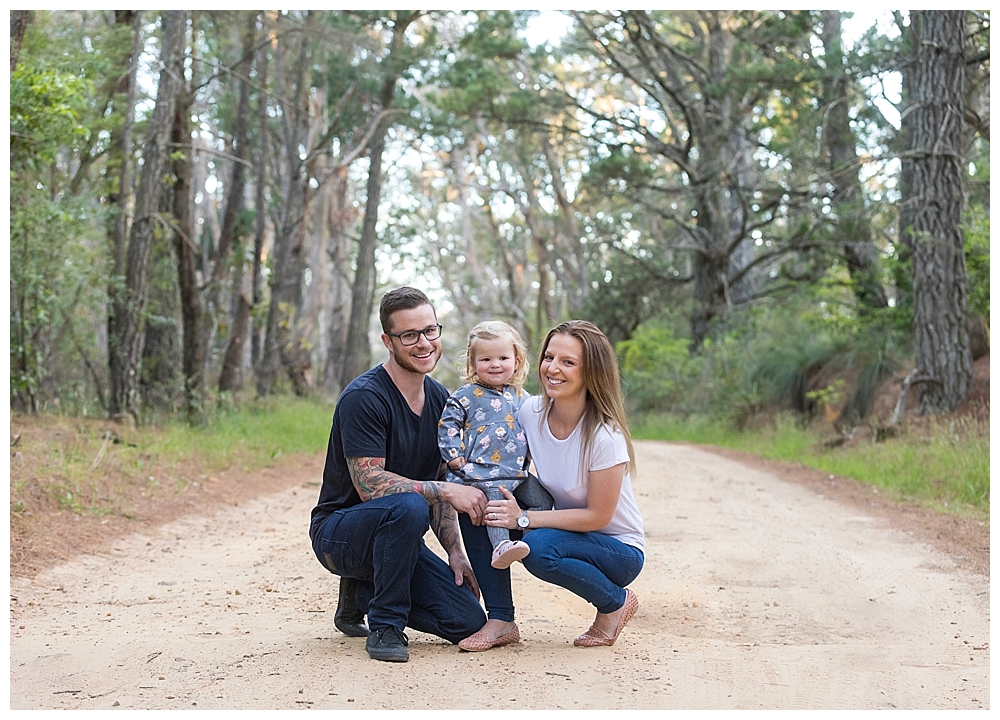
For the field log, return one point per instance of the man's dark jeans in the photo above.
(380, 542)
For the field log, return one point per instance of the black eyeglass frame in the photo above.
(399, 336)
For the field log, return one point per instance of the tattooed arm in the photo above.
(444, 523)
(372, 480)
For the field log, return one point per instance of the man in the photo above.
(381, 492)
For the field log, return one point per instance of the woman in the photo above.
(592, 542)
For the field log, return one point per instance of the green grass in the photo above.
(251, 437)
(62, 462)
(946, 465)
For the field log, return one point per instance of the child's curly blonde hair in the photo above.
(497, 330)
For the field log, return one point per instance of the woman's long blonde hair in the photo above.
(605, 400)
(497, 330)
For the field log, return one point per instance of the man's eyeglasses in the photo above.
(412, 337)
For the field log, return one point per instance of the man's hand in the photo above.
(465, 498)
(463, 572)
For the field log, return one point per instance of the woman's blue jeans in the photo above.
(595, 566)
(592, 565)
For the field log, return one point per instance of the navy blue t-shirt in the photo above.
(373, 419)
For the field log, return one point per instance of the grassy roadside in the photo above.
(944, 465)
(96, 467)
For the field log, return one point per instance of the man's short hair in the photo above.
(404, 298)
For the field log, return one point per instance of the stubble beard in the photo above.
(402, 359)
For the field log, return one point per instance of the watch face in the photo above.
(522, 521)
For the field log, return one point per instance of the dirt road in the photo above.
(757, 593)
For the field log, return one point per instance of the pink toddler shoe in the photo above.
(508, 552)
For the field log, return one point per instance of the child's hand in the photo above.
(456, 463)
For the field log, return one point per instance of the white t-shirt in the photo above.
(557, 463)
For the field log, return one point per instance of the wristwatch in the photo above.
(523, 521)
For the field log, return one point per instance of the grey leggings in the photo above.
(492, 491)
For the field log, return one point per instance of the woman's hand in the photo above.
(503, 513)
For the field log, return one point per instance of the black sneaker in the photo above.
(387, 643)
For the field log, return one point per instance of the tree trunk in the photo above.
(19, 20)
(234, 196)
(229, 379)
(940, 316)
(903, 270)
(359, 355)
(717, 167)
(712, 257)
(854, 227)
(120, 156)
(260, 203)
(187, 262)
(281, 351)
(338, 250)
(160, 377)
(130, 306)
(358, 351)
(710, 266)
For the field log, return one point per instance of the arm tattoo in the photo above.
(372, 480)
(444, 523)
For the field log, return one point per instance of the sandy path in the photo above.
(757, 593)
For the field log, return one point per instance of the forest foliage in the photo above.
(731, 195)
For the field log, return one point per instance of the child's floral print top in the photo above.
(480, 424)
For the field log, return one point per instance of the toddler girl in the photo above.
(479, 436)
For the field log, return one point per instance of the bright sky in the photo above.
(890, 86)
(548, 25)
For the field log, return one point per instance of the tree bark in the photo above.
(940, 315)
(260, 202)
(338, 250)
(358, 355)
(161, 366)
(130, 306)
(358, 351)
(118, 201)
(854, 227)
(281, 351)
(229, 378)
(187, 262)
(234, 198)
(19, 20)
(903, 269)
(713, 124)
